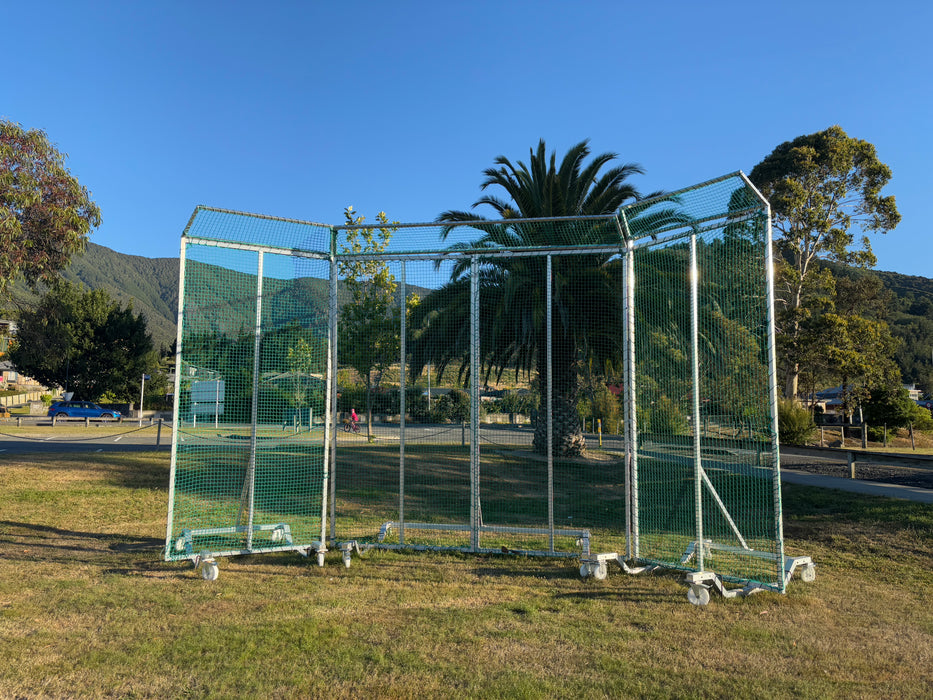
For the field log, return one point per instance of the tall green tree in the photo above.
(369, 322)
(46, 215)
(824, 189)
(84, 342)
(587, 305)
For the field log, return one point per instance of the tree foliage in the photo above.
(84, 342)
(893, 407)
(512, 290)
(46, 215)
(824, 188)
(369, 323)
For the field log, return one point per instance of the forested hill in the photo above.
(151, 284)
(911, 319)
(907, 307)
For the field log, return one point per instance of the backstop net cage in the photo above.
(598, 387)
(249, 467)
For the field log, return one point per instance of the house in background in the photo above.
(7, 331)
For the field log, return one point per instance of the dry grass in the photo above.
(89, 609)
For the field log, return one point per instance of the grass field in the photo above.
(89, 609)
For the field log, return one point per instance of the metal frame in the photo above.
(694, 559)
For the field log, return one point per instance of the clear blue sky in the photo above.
(297, 109)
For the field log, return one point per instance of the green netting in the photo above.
(559, 387)
(248, 470)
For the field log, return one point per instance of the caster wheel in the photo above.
(210, 571)
(585, 571)
(698, 595)
(347, 559)
(180, 544)
(808, 573)
(601, 571)
(278, 536)
(320, 558)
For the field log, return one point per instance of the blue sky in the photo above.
(298, 109)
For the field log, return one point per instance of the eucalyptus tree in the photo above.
(586, 288)
(823, 188)
(46, 215)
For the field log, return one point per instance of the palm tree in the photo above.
(586, 289)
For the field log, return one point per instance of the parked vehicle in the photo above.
(80, 409)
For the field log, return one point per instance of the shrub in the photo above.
(513, 402)
(795, 424)
(667, 417)
(453, 406)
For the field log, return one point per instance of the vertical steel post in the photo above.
(176, 417)
(401, 400)
(550, 403)
(772, 385)
(475, 503)
(330, 411)
(695, 361)
(254, 408)
(631, 403)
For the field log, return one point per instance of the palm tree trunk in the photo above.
(568, 432)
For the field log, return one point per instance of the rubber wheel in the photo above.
(698, 595)
(320, 558)
(584, 570)
(278, 535)
(601, 571)
(347, 559)
(808, 573)
(210, 571)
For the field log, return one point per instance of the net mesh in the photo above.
(544, 386)
(248, 458)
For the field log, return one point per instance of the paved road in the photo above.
(105, 440)
(506, 436)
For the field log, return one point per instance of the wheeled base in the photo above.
(700, 582)
(206, 562)
(597, 565)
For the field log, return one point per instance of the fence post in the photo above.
(159, 433)
(87, 422)
(851, 458)
(864, 436)
(910, 427)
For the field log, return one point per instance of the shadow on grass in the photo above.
(30, 542)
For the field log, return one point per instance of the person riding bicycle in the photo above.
(354, 419)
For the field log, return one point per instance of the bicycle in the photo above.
(351, 427)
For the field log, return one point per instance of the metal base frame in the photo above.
(582, 540)
(702, 582)
(206, 561)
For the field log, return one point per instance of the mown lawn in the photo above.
(89, 609)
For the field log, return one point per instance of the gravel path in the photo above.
(904, 476)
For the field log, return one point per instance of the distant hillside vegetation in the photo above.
(149, 284)
(909, 312)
